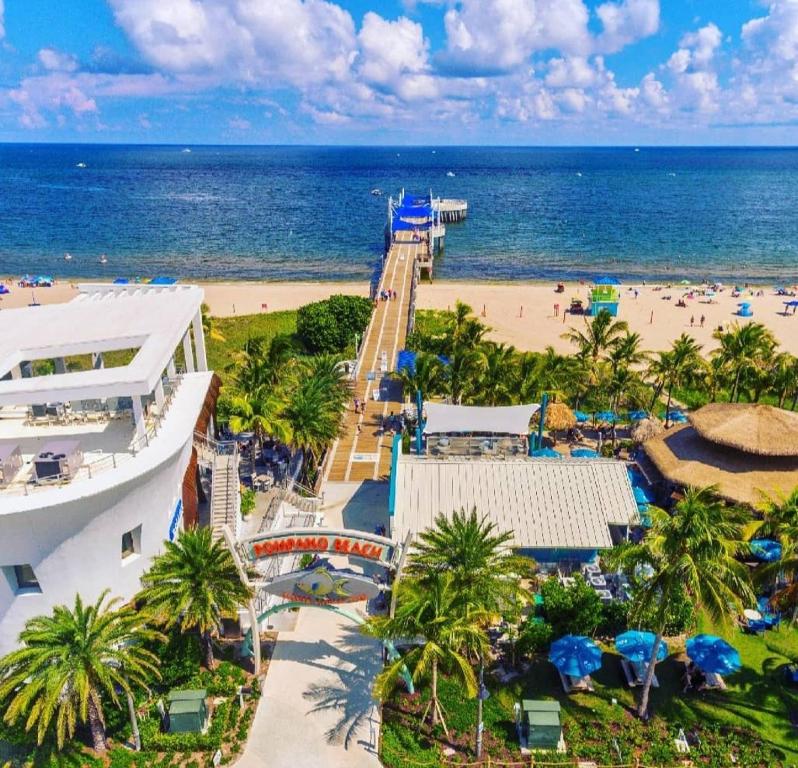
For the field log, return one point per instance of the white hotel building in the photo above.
(97, 466)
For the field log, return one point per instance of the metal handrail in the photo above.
(92, 468)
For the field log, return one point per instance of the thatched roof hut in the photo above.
(751, 428)
(756, 457)
(646, 429)
(559, 416)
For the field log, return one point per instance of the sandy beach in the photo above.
(521, 314)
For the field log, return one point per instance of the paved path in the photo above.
(366, 454)
(317, 710)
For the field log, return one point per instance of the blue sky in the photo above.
(400, 71)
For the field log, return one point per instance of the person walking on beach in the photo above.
(651, 319)
(703, 320)
(692, 320)
(556, 310)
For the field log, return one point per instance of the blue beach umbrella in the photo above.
(121, 281)
(713, 654)
(575, 655)
(606, 416)
(406, 359)
(637, 645)
(638, 415)
(606, 280)
(677, 417)
(766, 550)
(547, 453)
(581, 417)
(584, 453)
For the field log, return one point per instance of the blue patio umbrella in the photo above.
(581, 417)
(766, 550)
(606, 416)
(637, 645)
(575, 655)
(638, 415)
(121, 281)
(713, 654)
(584, 453)
(406, 359)
(676, 416)
(547, 453)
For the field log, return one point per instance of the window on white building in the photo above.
(131, 543)
(22, 579)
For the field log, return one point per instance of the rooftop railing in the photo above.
(89, 469)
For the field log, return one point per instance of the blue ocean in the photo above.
(280, 213)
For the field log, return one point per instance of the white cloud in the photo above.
(575, 71)
(500, 35)
(653, 93)
(239, 124)
(290, 42)
(625, 22)
(692, 66)
(54, 60)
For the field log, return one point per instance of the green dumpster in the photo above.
(188, 711)
(543, 723)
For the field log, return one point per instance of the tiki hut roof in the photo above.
(646, 429)
(756, 429)
(685, 458)
(559, 416)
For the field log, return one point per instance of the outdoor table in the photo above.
(598, 581)
(752, 615)
(592, 569)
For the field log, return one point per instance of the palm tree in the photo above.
(260, 411)
(625, 352)
(208, 326)
(429, 376)
(495, 387)
(743, 348)
(680, 362)
(600, 334)
(430, 612)
(780, 522)
(68, 661)
(192, 585)
(313, 414)
(783, 376)
(694, 551)
(479, 557)
(464, 372)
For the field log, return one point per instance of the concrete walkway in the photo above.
(317, 708)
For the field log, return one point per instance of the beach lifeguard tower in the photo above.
(604, 294)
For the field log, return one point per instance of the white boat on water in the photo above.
(376, 192)
(81, 165)
(103, 259)
(67, 257)
(450, 174)
(186, 150)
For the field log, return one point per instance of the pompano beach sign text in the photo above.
(315, 540)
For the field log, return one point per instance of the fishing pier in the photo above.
(414, 234)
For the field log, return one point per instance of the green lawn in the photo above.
(593, 725)
(237, 330)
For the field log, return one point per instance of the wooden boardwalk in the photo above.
(363, 452)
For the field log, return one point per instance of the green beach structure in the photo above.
(604, 294)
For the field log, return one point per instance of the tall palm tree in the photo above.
(464, 372)
(68, 661)
(313, 413)
(692, 551)
(192, 585)
(479, 557)
(780, 522)
(430, 612)
(495, 387)
(260, 411)
(783, 376)
(678, 364)
(625, 352)
(600, 334)
(743, 348)
(429, 376)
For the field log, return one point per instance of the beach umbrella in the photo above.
(606, 280)
(121, 281)
(646, 429)
(584, 453)
(606, 416)
(637, 646)
(581, 417)
(575, 655)
(547, 453)
(638, 415)
(676, 416)
(406, 359)
(767, 550)
(713, 654)
(559, 416)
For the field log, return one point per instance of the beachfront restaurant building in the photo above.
(561, 511)
(100, 399)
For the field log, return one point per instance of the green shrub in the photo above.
(680, 616)
(613, 618)
(180, 659)
(247, 501)
(330, 326)
(535, 637)
(225, 680)
(573, 610)
(153, 740)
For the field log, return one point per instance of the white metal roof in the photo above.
(100, 319)
(502, 420)
(545, 503)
